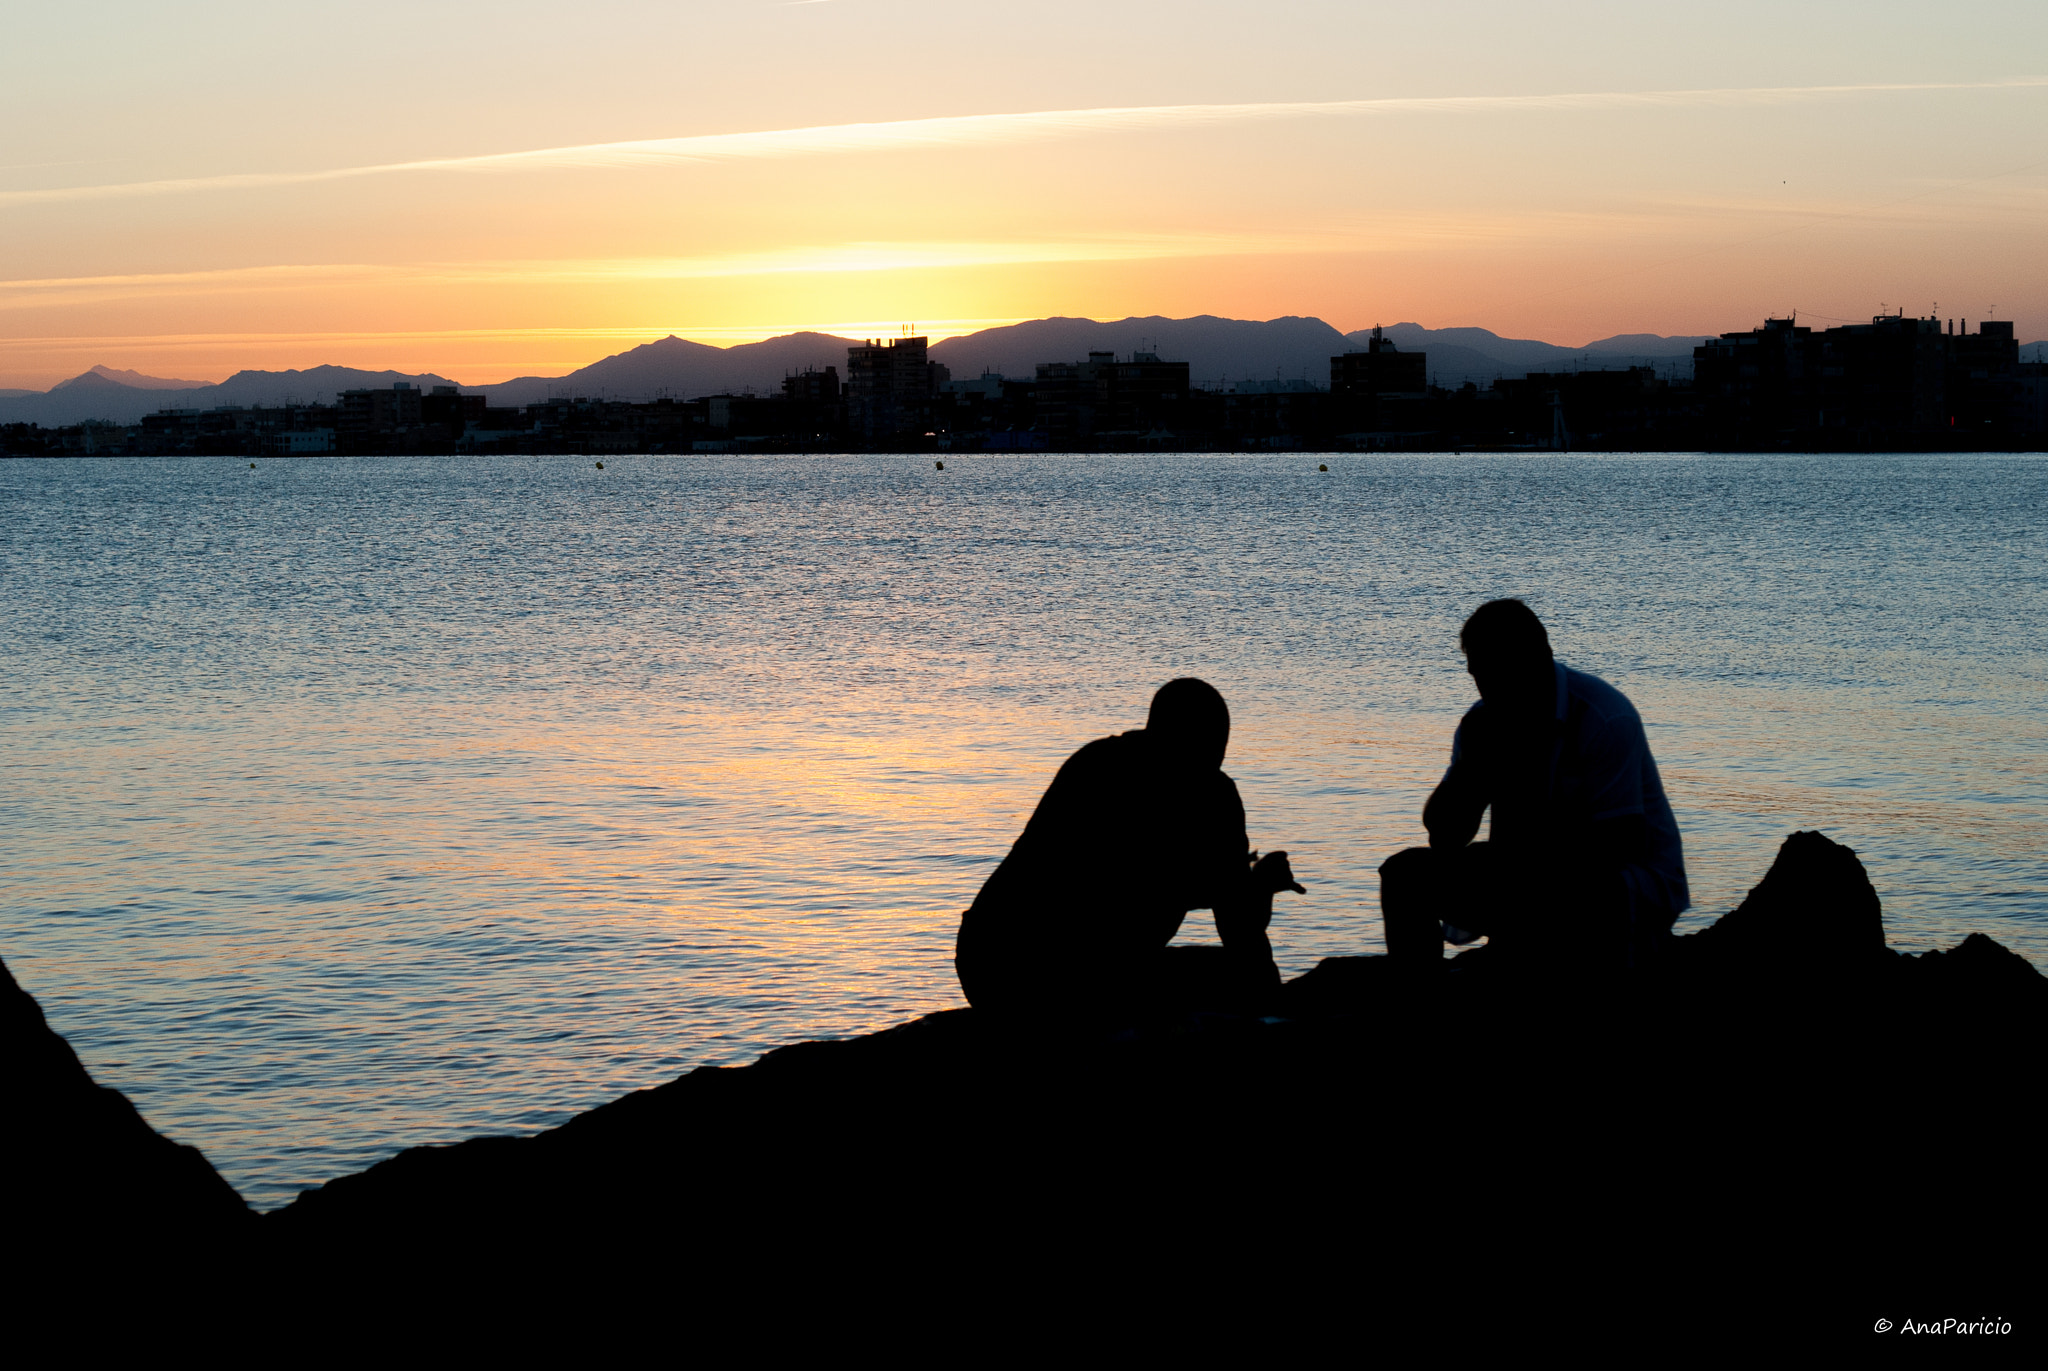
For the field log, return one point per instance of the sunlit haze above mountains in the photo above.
(491, 190)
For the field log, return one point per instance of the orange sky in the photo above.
(503, 193)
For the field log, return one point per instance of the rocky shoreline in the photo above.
(1784, 1068)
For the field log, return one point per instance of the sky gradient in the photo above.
(492, 190)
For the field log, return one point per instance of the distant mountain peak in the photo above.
(113, 376)
(669, 344)
(328, 372)
(680, 368)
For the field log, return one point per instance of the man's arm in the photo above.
(1459, 801)
(1453, 813)
(1244, 916)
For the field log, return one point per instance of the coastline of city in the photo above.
(1897, 384)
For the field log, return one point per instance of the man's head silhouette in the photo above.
(1190, 722)
(1508, 653)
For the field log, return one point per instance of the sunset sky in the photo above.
(488, 190)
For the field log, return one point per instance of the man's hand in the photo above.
(1242, 920)
(1271, 874)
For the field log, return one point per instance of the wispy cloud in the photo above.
(1382, 232)
(69, 290)
(922, 256)
(828, 258)
(983, 129)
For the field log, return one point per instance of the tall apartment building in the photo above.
(1080, 402)
(890, 385)
(811, 386)
(366, 414)
(1894, 379)
(452, 411)
(1369, 387)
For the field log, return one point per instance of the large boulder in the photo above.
(81, 1165)
(1814, 909)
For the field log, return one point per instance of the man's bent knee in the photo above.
(1410, 869)
(1409, 900)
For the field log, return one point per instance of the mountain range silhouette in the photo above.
(1220, 352)
(108, 376)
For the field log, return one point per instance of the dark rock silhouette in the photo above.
(1718, 1136)
(1815, 908)
(1715, 1117)
(80, 1161)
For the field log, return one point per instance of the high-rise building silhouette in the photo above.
(890, 384)
(1895, 380)
(1368, 387)
(1080, 403)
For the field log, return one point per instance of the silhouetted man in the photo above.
(1134, 831)
(1584, 861)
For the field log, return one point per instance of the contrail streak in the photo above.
(981, 129)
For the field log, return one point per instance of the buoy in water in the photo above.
(1325, 466)
(940, 465)
(600, 466)
(252, 466)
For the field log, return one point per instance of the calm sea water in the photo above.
(352, 804)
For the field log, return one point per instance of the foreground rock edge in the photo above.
(1809, 935)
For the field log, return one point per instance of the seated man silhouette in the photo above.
(1134, 831)
(1584, 862)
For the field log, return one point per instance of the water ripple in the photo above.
(354, 804)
